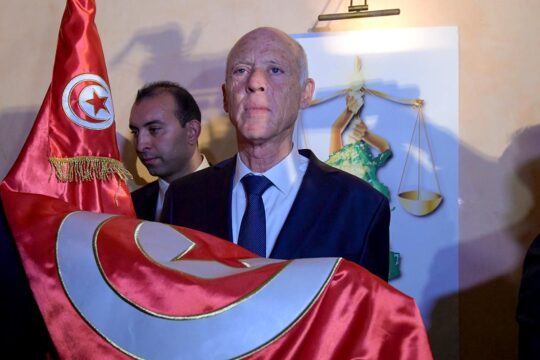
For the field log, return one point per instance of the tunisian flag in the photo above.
(112, 286)
(71, 152)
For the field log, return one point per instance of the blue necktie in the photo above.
(252, 235)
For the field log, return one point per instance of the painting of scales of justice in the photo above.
(385, 110)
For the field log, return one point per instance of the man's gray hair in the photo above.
(302, 63)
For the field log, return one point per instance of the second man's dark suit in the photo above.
(145, 201)
(528, 310)
(335, 214)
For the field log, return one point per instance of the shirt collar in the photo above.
(283, 175)
(163, 186)
(204, 164)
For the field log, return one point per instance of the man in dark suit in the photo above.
(528, 311)
(271, 198)
(166, 123)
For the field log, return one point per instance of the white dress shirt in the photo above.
(163, 186)
(286, 177)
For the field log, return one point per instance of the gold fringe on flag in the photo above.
(88, 168)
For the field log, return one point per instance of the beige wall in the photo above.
(187, 41)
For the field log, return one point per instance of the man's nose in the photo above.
(142, 142)
(257, 81)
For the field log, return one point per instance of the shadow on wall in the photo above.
(498, 220)
(19, 121)
(489, 299)
(169, 57)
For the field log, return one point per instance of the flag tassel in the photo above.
(88, 168)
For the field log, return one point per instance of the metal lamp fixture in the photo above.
(358, 11)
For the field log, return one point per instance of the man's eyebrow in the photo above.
(152, 122)
(275, 61)
(240, 62)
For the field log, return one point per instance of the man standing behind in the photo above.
(271, 198)
(166, 123)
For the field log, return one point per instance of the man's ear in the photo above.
(225, 104)
(193, 128)
(307, 93)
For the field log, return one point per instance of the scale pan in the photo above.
(421, 202)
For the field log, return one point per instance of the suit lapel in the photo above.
(222, 188)
(312, 195)
(145, 201)
(152, 196)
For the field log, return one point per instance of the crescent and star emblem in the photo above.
(87, 102)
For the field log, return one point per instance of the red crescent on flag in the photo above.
(87, 102)
(121, 255)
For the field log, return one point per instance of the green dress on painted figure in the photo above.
(357, 159)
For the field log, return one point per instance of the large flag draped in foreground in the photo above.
(111, 286)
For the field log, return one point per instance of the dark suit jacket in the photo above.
(145, 200)
(528, 311)
(335, 214)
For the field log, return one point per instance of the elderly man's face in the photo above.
(262, 91)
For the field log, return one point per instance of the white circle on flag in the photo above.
(94, 101)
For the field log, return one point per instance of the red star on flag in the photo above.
(98, 102)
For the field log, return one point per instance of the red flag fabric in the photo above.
(71, 152)
(112, 287)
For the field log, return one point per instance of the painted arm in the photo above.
(354, 102)
(376, 141)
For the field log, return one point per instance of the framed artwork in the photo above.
(386, 110)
